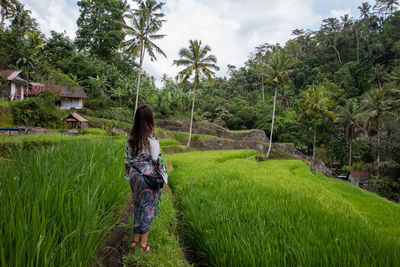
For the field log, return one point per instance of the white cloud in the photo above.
(231, 27)
(337, 13)
(57, 15)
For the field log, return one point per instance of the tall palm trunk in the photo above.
(379, 150)
(262, 83)
(272, 126)
(338, 54)
(315, 140)
(3, 15)
(191, 116)
(358, 46)
(142, 51)
(351, 143)
(27, 80)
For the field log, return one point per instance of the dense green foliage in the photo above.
(239, 212)
(100, 32)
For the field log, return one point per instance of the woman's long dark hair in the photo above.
(143, 126)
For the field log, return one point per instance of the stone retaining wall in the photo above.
(212, 129)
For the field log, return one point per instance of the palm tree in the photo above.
(277, 69)
(260, 65)
(386, 7)
(35, 42)
(348, 118)
(375, 107)
(196, 61)
(357, 30)
(332, 30)
(285, 96)
(144, 23)
(378, 74)
(364, 10)
(314, 102)
(262, 52)
(7, 6)
(395, 76)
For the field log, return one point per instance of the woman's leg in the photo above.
(135, 240)
(143, 241)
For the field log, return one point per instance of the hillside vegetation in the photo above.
(238, 212)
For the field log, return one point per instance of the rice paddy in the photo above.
(57, 204)
(238, 212)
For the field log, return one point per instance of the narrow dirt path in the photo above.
(111, 252)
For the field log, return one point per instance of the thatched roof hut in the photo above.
(76, 120)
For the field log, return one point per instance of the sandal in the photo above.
(134, 243)
(145, 248)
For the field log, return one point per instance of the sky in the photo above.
(232, 28)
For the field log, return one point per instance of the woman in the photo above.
(143, 166)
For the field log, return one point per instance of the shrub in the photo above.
(38, 111)
(6, 118)
(97, 103)
(164, 110)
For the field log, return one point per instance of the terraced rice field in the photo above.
(238, 212)
(57, 204)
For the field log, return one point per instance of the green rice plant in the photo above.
(57, 204)
(107, 124)
(11, 144)
(174, 149)
(95, 131)
(168, 142)
(238, 212)
(182, 137)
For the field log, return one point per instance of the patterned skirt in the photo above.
(145, 202)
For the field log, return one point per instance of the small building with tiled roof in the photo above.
(15, 87)
(71, 97)
(12, 84)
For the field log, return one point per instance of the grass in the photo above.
(11, 144)
(238, 212)
(239, 131)
(6, 117)
(168, 142)
(57, 204)
(107, 124)
(182, 137)
(95, 131)
(163, 238)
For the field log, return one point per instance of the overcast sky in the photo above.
(233, 28)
